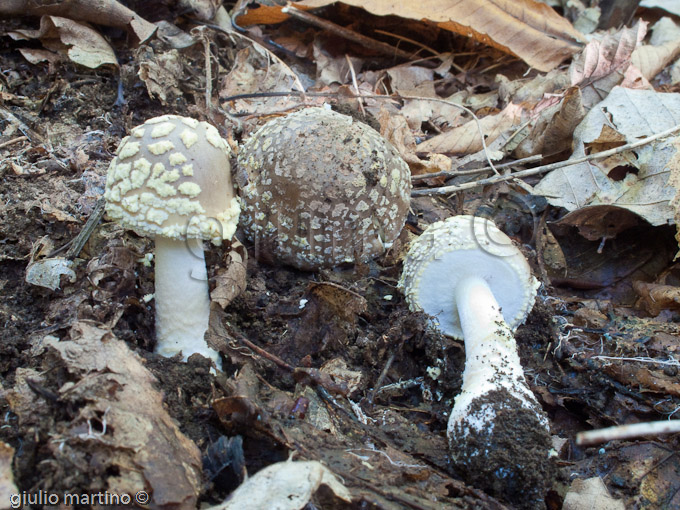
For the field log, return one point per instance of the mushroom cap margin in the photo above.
(459, 246)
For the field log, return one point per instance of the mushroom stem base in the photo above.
(182, 300)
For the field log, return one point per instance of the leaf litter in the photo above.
(332, 365)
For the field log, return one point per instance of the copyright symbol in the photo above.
(142, 497)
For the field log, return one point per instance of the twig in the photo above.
(355, 84)
(345, 33)
(456, 173)
(652, 428)
(13, 141)
(88, 228)
(275, 359)
(445, 190)
(415, 43)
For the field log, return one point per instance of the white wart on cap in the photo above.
(458, 247)
(168, 179)
(320, 189)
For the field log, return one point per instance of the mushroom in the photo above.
(320, 188)
(478, 286)
(171, 180)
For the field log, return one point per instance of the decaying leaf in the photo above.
(663, 48)
(7, 486)
(641, 185)
(230, 280)
(121, 421)
(528, 29)
(552, 133)
(674, 181)
(103, 12)
(48, 272)
(655, 298)
(80, 43)
(466, 139)
(606, 62)
(161, 73)
(591, 494)
(284, 486)
(600, 222)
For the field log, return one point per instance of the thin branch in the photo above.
(445, 190)
(457, 173)
(652, 428)
(345, 33)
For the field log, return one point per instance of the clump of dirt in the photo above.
(510, 459)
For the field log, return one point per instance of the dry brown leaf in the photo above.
(102, 12)
(527, 29)
(663, 48)
(82, 44)
(466, 138)
(160, 73)
(136, 440)
(605, 63)
(674, 180)
(591, 494)
(230, 280)
(552, 132)
(654, 297)
(254, 71)
(637, 181)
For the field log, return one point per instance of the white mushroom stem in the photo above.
(491, 359)
(182, 300)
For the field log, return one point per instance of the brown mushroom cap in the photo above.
(320, 189)
(172, 177)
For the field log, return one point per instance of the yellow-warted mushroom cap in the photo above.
(462, 246)
(171, 177)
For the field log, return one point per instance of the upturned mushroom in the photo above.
(320, 189)
(478, 286)
(171, 180)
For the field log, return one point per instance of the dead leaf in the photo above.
(121, 421)
(82, 44)
(160, 73)
(284, 486)
(527, 29)
(663, 48)
(600, 222)
(48, 272)
(230, 280)
(552, 133)
(7, 486)
(654, 297)
(591, 494)
(103, 12)
(466, 138)
(674, 181)
(642, 185)
(606, 62)
(254, 71)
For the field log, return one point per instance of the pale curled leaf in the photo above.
(82, 44)
(47, 272)
(284, 486)
(466, 139)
